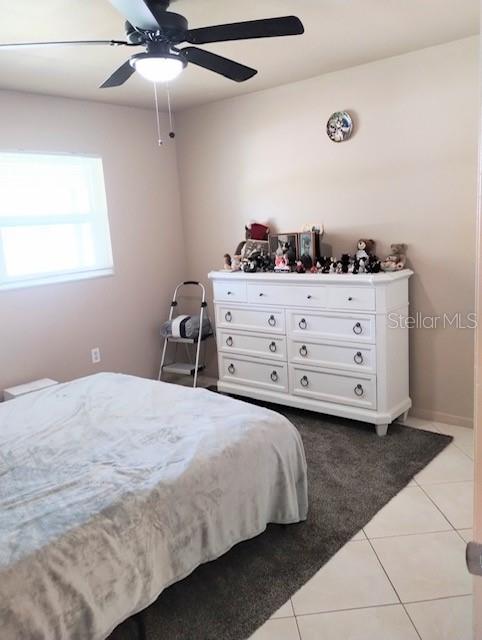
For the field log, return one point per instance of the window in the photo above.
(53, 219)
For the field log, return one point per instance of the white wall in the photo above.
(407, 175)
(48, 331)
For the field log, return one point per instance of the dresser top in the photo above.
(318, 278)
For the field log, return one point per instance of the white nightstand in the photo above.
(22, 389)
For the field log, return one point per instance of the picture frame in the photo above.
(278, 239)
(309, 244)
(256, 245)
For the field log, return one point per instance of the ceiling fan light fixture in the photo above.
(158, 68)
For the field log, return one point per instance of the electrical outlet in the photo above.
(95, 355)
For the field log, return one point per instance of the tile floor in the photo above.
(403, 577)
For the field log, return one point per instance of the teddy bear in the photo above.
(364, 248)
(396, 260)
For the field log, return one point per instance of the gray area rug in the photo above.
(352, 474)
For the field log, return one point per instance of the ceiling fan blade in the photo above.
(64, 43)
(218, 64)
(142, 14)
(268, 28)
(121, 75)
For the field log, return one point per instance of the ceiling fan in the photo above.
(150, 25)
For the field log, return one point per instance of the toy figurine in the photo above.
(289, 253)
(227, 262)
(307, 262)
(300, 268)
(281, 262)
(396, 260)
(345, 263)
(332, 268)
(361, 265)
(365, 248)
(236, 263)
(325, 268)
(372, 264)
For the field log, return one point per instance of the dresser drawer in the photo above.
(272, 376)
(356, 298)
(330, 386)
(269, 320)
(306, 325)
(287, 295)
(229, 290)
(333, 356)
(272, 347)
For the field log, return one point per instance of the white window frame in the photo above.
(98, 218)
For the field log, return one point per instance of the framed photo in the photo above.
(255, 245)
(309, 244)
(279, 240)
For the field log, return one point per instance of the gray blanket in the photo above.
(114, 487)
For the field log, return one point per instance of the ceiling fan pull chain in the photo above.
(156, 99)
(171, 128)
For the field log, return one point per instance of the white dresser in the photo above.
(328, 343)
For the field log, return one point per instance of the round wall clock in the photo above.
(340, 126)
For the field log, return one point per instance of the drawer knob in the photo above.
(228, 316)
(229, 341)
(271, 321)
(261, 294)
(357, 328)
(304, 381)
(231, 368)
(358, 390)
(302, 324)
(230, 293)
(272, 347)
(358, 357)
(274, 376)
(309, 297)
(350, 299)
(303, 351)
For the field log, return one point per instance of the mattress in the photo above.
(113, 487)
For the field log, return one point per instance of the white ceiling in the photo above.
(339, 34)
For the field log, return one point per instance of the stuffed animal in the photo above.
(396, 260)
(365, 248)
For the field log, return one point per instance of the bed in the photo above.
(113, 487)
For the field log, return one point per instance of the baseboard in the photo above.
(438, 416)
